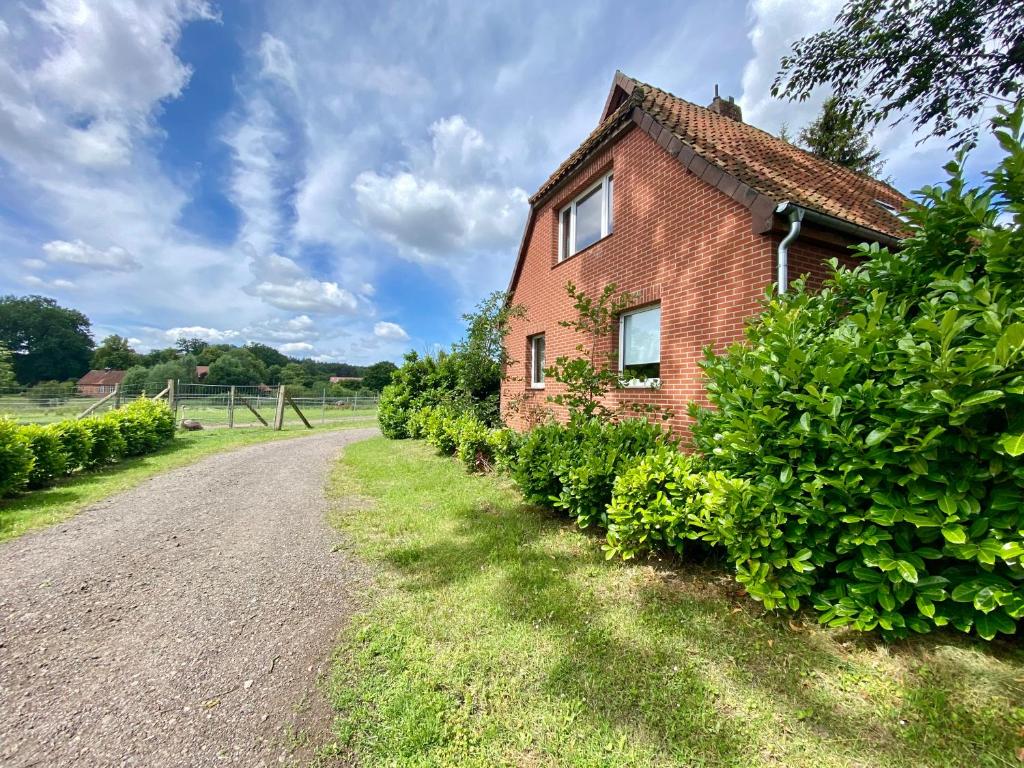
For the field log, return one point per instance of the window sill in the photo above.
(640, 384)
(536, 386)
(579, 253)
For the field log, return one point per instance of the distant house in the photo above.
(202, 371)
(99, 382)
(345, 379)
(693, 214)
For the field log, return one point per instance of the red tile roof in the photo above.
(768, 165)
(105, 378)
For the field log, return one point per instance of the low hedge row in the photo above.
(480, 448)
(34, 455)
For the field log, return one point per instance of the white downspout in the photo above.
(796, 215)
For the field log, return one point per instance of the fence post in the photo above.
(279, 414)
(117, 396)
(323, 408)
(171, 402)
(231, 407)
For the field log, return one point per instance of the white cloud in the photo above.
(280, 282)
(449, 203)
(37, 282)
(390, 331)
(212, 335)
(394, 80)
(81, 254)
(296, 346)
(36, 264)
(260, 180)
(298, 328)
(277, 60)
(777, 24)
(90, 95)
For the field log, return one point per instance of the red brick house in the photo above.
(99, 382)
(695, 214)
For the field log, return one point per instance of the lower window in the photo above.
(640, 347)
(537, 361)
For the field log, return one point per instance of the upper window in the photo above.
(537, 361)
(640, 347)
(586, 219)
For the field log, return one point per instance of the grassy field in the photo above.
(51, 505)
(501, 636)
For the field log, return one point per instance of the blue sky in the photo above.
(339, 180)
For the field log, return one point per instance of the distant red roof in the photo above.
(202, 371)
(105, 378)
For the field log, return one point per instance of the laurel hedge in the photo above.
(875, 429)
(33, 455)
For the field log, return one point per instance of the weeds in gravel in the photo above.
(501, 636)
(70, 495)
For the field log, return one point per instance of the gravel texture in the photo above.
(182, 623)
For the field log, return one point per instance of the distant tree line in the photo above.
(45, 345)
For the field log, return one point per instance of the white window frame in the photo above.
(653, 382)
(606, 184)
(536, 383)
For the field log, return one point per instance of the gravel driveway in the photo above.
(182, 623)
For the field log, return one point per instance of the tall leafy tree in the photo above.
(936, 62)
(379, 375)
(191, 346)
(835, 136)
(267, 354)
(115, 352)
(7, 378)
(239, 366)
(157, 356)
(48, 341)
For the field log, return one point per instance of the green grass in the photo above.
(500, 636)
(52, 505)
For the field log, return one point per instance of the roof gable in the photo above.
(768, 165)
(751, 166)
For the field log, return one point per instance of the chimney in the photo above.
(726, 107)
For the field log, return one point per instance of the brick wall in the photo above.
(677, 241)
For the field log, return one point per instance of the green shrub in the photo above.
(16, 459)
(393, 413)
(144, 424)
(544, 451)
(604, 449)
(504, 446)
(573, 466)
(474, 448)
(663, 500)
(105, 438)
(75, 442)
(416, 424)
(877, 427)
(50, 461)
(441, 430)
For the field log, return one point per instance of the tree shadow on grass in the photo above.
(538, 585)
(702, 676)
(930, 700)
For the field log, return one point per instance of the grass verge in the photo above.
(501, 636)
(51, 505)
